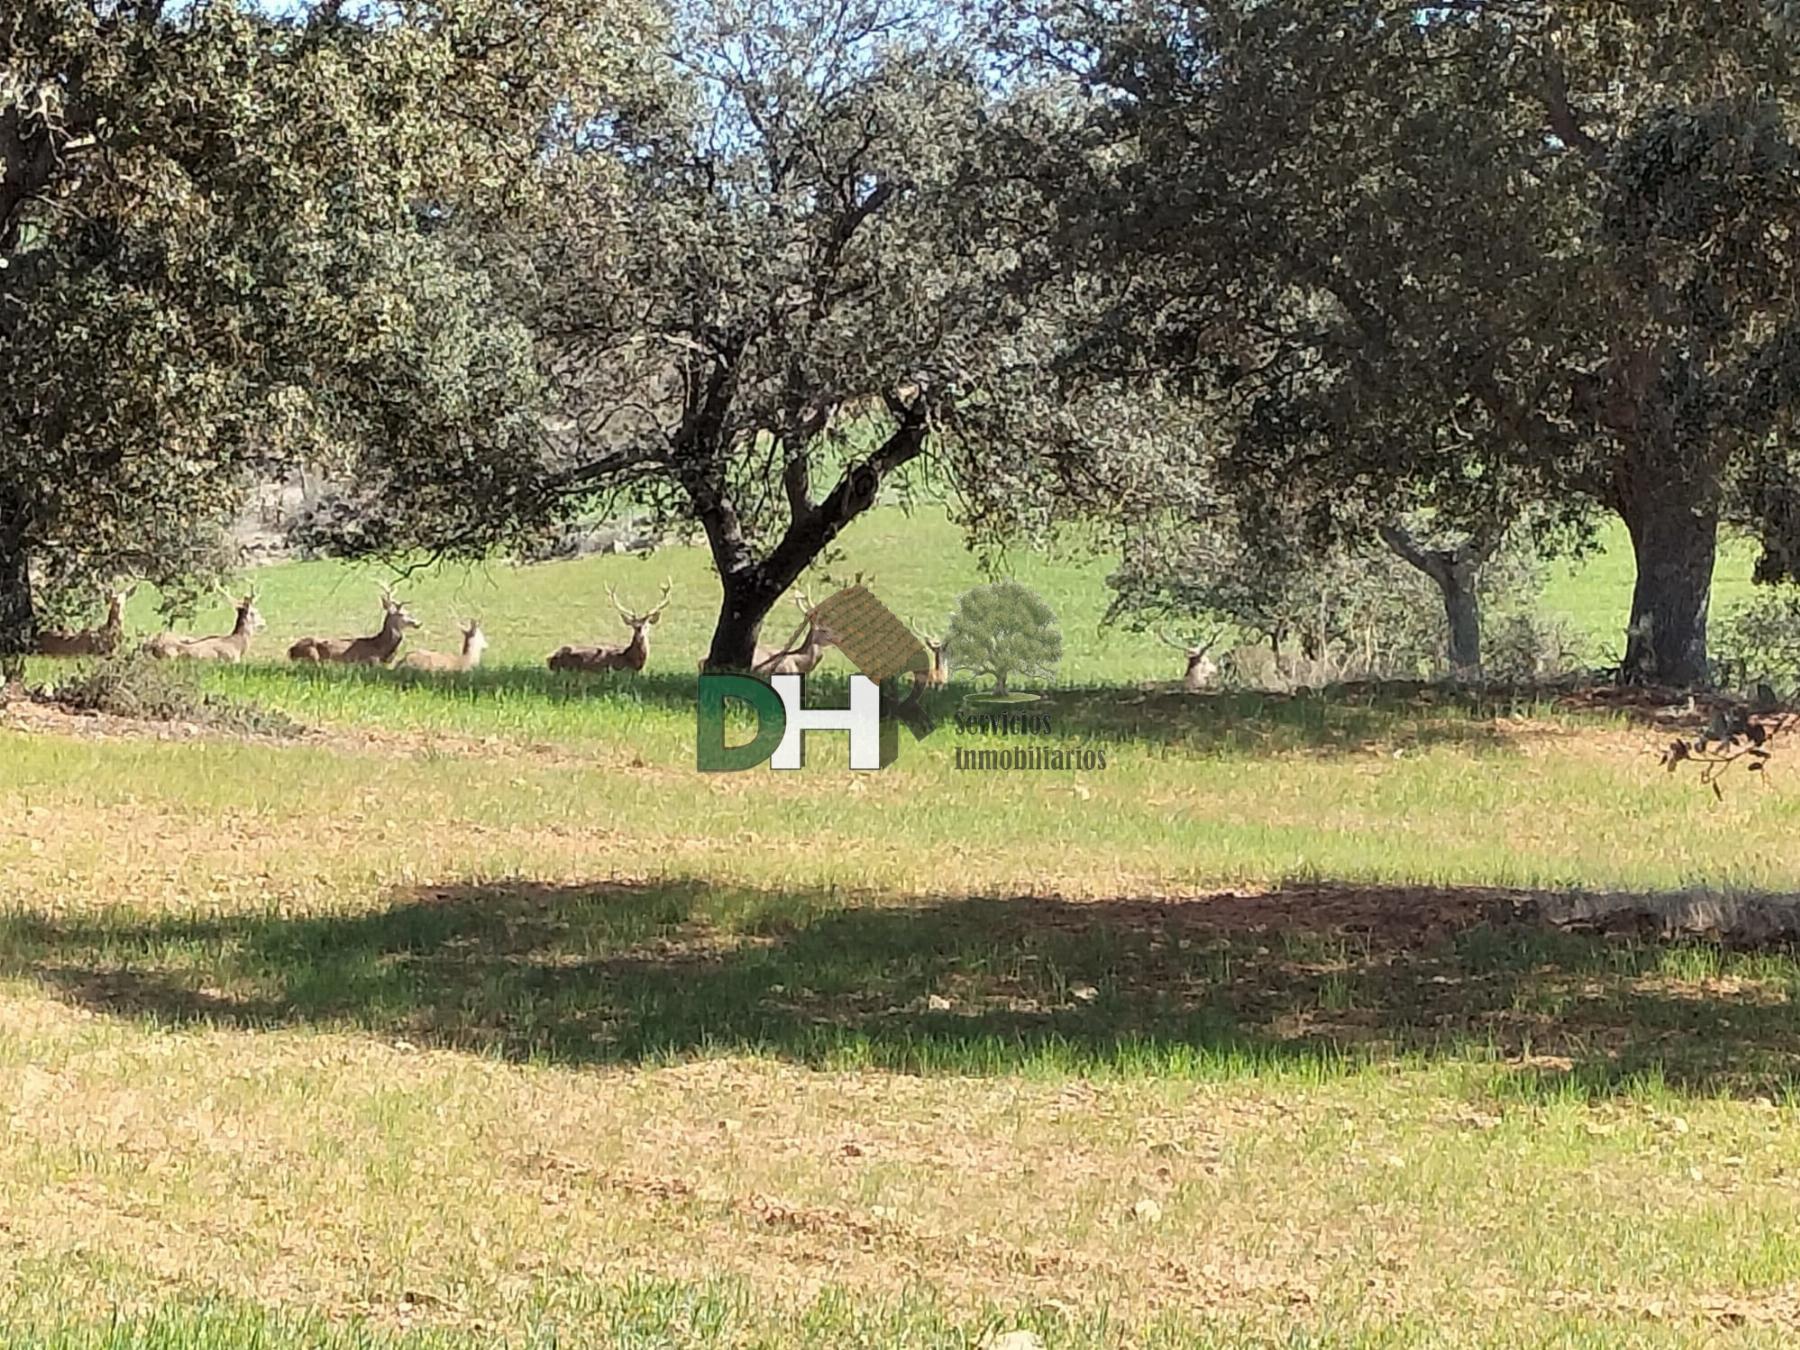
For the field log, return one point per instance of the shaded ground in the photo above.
(1341, 719)
(1329, 976)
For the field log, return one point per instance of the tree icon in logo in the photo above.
(1002, 631)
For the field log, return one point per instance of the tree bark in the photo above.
(18, 614)
(1456, 573)
(1674, 538)
(746, 603)
(752, 588)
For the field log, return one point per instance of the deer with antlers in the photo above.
(376, 650)
(616, 656)
(445, 663)
(939, 674)
(229, 648)
(101, 641)
(800, 655)
(1202, 671)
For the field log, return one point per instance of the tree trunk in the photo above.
(18, 615)
(1674, 537)
(1456, 573)
(746, 604)
(1462, 608)
(1000, 684)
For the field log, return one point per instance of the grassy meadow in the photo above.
(477, 1016)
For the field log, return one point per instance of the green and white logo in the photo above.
(1006, 632)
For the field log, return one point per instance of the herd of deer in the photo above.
(803, 652)
(799, 657)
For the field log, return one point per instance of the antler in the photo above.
(613, 596)
(663, 601)
(1192, 648)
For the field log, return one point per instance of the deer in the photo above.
(474, 644)
(1202, 671)
(619, 655)
(795, 659)
(375, 650)
(939, 674)
(229, 648)
(101, 641)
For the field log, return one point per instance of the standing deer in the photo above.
(616, 656)
(474, 644)
(795, 659)
(229, 648)
(101, 641)
(376, 650)
(1202, 671)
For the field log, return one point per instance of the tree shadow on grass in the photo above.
(1332, 721)
(1318, 978)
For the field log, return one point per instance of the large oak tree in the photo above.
(230, 236)
(1481, 257)
(798, 294)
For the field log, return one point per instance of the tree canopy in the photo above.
(1484, 257)
(798, 293)
(225, 240)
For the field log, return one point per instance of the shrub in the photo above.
(1522, 645)
(1759, 641)
(130, 684)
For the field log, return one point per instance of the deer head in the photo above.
(398, 619)
(1202, 670)
(939, 674)
(637, 622)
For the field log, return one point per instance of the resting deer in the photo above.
(474, 644)
(229, 648)
(1202, 671)
(376, 650)
(101, 641)
(617, 656)
(795, 659)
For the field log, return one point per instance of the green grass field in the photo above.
(477, 1016)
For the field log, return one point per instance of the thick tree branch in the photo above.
(1565, 122)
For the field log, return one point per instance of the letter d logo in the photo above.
(712, 754)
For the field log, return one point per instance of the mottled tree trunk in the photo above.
(1674, 537)
(1456, 573)
(1462, 608)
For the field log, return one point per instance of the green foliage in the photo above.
(1758, 640)
(130, 684)
(230, 238)
(1486, 259)
(1351, 610)
(769, 302)
(1001, 631)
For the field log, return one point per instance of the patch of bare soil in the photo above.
(1389, 918)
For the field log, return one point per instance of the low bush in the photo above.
(130, 684)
